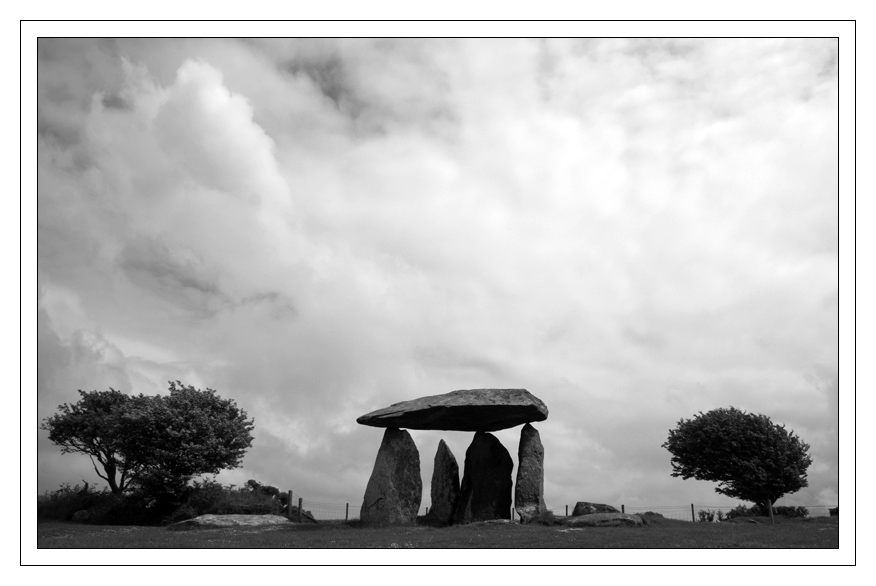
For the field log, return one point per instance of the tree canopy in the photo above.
(159, 441)
(92, 426)
(752, 458)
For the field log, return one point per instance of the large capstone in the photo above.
(445, 485)
(485, 493)
(529, 489)
(465, 410)
(395, 488)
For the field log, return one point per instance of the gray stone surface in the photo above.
(585, 508)
(395, 488)
(464, 410)
(213, 521)
(529, 488)
(603, 520)
(485, 493)
(445, 485)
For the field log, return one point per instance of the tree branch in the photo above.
(95, 468)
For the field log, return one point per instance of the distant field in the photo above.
(818, 532)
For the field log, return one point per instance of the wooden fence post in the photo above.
(622, 509)
(300, 505)
(347, 514)
(289, 505)
(567, 510)
(692, 517)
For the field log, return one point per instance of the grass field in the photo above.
(818, 532)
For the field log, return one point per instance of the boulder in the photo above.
(582, 508)
(81, 516)
(465, 410)
(485, 493)
(603, 520)
(395, 488)
(306, 516)
(650, 517)
(529, 489)
(445, 485)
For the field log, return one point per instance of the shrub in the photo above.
(834, 512)
(758, 511)
(143, 506)
(103, 507)
(706, 516)
(62, 503)
(212, 498)
(791, 512)
(743, 511)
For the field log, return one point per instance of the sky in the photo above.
(634, 230)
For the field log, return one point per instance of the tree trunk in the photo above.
(770, 506)
(110, 470)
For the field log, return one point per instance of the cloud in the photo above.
(632, 230)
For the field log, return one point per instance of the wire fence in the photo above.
(321, 511)
(329, 511)
(691, 512)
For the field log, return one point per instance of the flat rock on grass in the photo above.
(214, 521)
(603, 520)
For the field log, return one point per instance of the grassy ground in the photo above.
(819, 532)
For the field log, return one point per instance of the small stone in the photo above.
(529, 489)
(445, 485)
(485, 493)
(395, 488)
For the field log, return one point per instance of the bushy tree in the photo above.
(184, 434)
(750, 457)
(92, 426)
(160, 442)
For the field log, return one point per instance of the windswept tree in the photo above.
(92, 426)
(158, 442)
(752, 458)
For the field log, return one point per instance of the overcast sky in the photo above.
(632, 230)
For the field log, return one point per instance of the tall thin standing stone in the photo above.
(529, 490)
(395, 488)
(445, 485)
(485, 493)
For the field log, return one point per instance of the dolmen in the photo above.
(394, 490)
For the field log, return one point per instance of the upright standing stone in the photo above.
(529, 490)
(395, 488)
(485, 493)
(445, 485)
